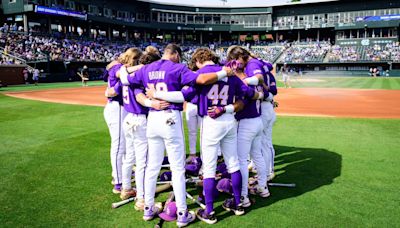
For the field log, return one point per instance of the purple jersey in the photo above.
(221, 93)
(129, 99)
(112, 82)
(165, 75)
(259, 66)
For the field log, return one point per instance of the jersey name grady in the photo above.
(156, 75)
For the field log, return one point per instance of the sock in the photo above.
(209, 186)
(236, 185)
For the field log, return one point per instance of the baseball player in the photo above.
(285, 71)
(218, 129)
(114, 114)
(255, 68)
(164, 128)
(250, 129)
(135, 133)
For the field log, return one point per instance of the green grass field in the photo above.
(55, 171)
(344, 82)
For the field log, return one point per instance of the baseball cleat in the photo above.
(263, 191)
(139, 205)
(184, 218)
(117, 189)
(230, 205)
(207, 218)
(245, 201)
(150, 212)
(128, 193)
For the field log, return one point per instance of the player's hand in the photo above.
(150, 92)
(215, 112)
(159, 105)
(110, 92)
(229, 71)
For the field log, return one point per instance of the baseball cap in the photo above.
(224, 185)
(166, 176)
(192, 169)
(221, 168)
(169, 212)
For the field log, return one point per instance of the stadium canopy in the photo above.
(234, 3)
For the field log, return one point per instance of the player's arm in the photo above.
(114, 90)
(255, 74)
(186, 94)
(248, 93)
(129, 77)
(216, 111)
(191, 78)
(150, 103)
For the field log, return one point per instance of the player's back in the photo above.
(165, 75)
(221, 93)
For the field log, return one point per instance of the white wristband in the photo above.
(230, 108)
(252, 80)
(221, 74)
(148, 103)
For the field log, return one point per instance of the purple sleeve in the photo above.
(253, 69)
(242, 90)
(189, 93)
(188, 77)
(272, 85)
(135, 78)
(137, 91)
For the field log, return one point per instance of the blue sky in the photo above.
(231, 3)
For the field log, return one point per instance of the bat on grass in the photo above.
(170, 198)
(121, 203)
(195, 200)
(163, 187)
(292, 185)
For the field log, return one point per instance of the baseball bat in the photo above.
(291, 185)
(163, 187)
(196, 201)
(121, 203)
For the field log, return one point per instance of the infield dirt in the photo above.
(324, 102)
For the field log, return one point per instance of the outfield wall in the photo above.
(11, 74)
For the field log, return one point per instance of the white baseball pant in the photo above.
(165, 131)
(114, 114)
(215, 134)
(249, 142)
(136, 152)
(193, 122)
(267, 149)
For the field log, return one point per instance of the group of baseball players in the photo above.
(231, 103)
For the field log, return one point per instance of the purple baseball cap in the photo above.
(221, 168)
(224, 185)
(192, 169)
(169, 212)
(166, 176)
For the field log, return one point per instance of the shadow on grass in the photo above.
(308, 168)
